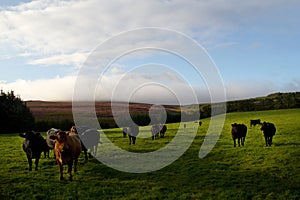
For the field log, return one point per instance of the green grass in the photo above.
(250, 172)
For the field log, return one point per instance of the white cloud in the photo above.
(74, 59)
(64, 32)
(56, 89)
(66, 27)
(137, 88)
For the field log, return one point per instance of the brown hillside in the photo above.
(49, 110)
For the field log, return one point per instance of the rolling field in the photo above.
(250, 172)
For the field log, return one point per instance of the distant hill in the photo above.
(271, 102)
(59, 114)
(49, 114)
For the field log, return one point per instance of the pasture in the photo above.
(250, 172)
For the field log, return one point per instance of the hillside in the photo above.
(59, 114)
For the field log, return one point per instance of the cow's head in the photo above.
(263, 126)
(61, 137)
(61, 145)
(234, 125)
(32, 141)
(30, 135)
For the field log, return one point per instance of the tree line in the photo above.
(270, 102)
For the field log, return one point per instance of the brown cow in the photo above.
(67, 149)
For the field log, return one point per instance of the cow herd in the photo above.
(67, 146)
(239, 131)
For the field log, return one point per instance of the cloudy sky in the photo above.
(45, 44)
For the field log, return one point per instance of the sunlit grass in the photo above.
(250, 172)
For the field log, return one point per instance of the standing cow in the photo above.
(132, 132)
(67, 149)
(254, 122)
(239, 132)
(269, 131)
(34, 144)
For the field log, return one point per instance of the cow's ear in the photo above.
(22, 135)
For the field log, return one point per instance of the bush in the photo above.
(14, 115)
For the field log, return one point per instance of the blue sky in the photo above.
(254, 45)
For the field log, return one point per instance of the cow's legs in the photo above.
(129, 139)
(266, 139)
(60, 170)
(29, 162)
(133, 140)
(95, 149)
(70, 170)
(75, 164)
(270, 141)
(36, 163)
(243, 140)
(234, 144)
(239, 141)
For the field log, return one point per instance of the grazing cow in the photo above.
(67, 149)
(163, 129)
(269, 131)
(132, 132)
(254, 122)
(155, 131)
(200, 123)
(239, 132)
(89, 139)
(34, 144)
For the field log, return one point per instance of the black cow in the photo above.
(254, 122)
(269, 131)
(155, 131)
(34, 144)
(163, 130)
(239, 132)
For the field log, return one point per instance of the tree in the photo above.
(14, 114)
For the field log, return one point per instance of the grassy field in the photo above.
(250, 172)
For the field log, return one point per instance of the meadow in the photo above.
(250, 172)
